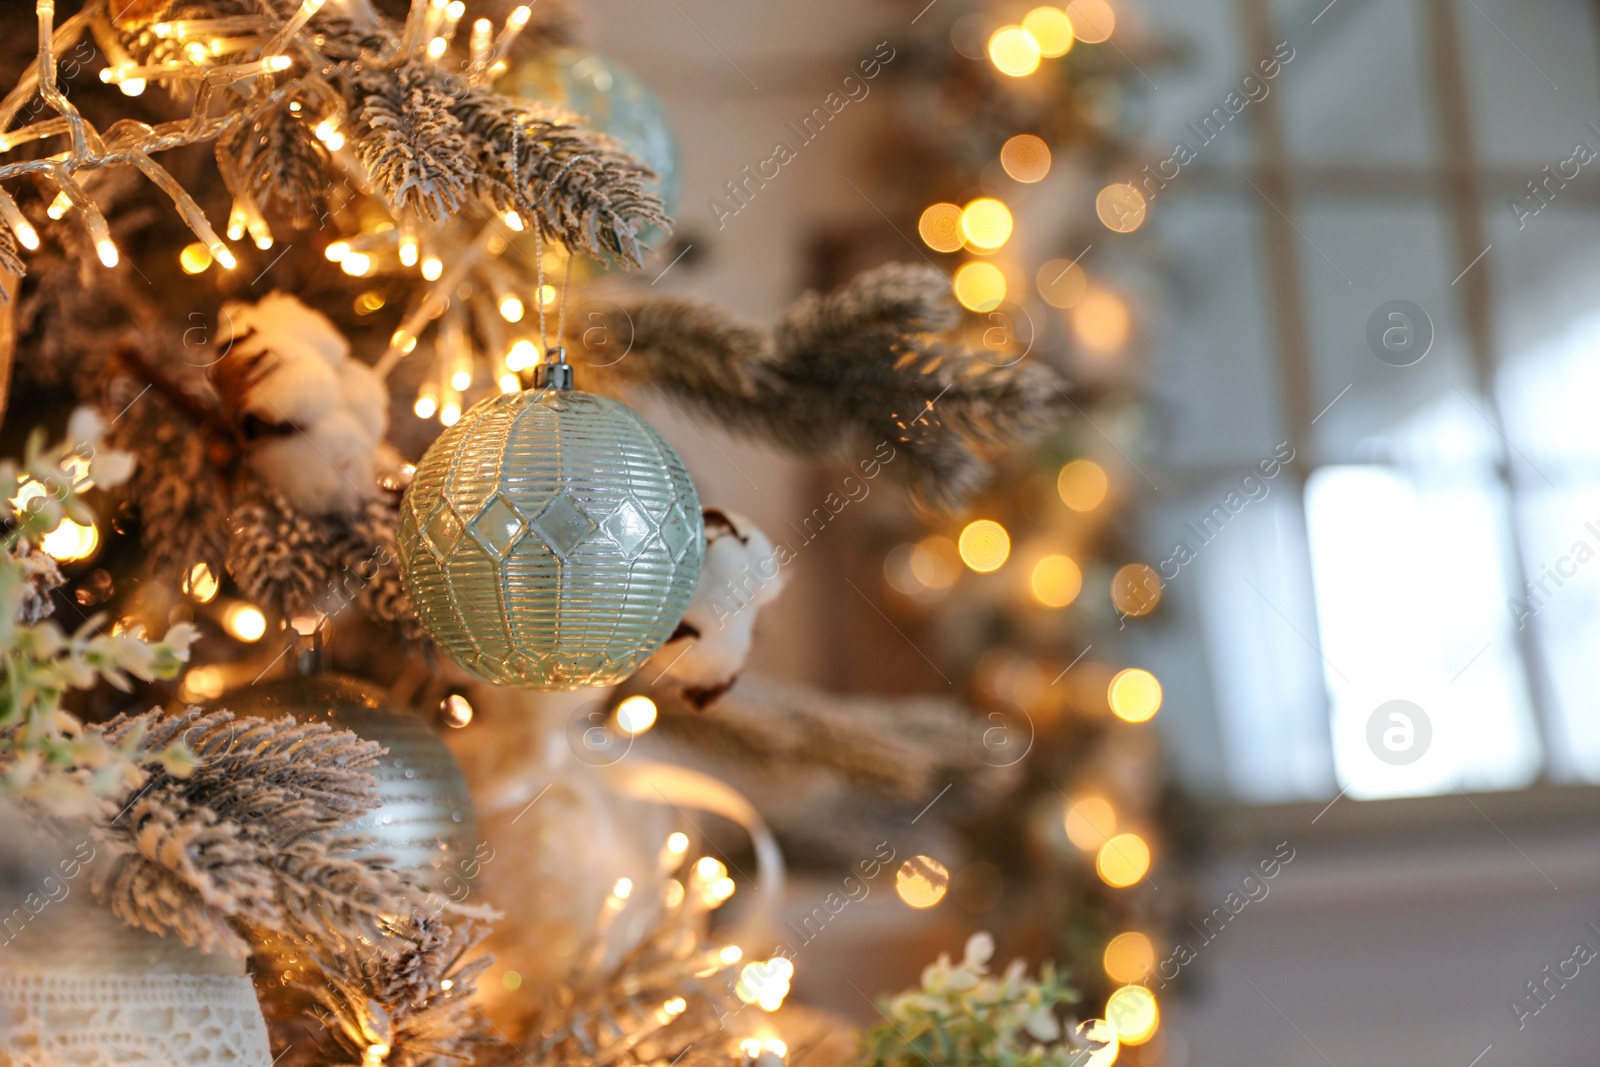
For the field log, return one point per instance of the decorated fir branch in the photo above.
(315, 109)
(842, 373)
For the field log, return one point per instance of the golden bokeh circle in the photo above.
(1136, 589)
(1123, 861)
(984, 545)
(1134, 695)
(1121, 207)
(1102, 321)
(1082, 485)
(1129, 957)
(1062, 283)
(935, 562)
(1051, 30)
(979, 286)
(940, 227)
(1090, 822)
(1093, 21)
(986, 223)
(1133, 1014)
(1013, 51)
(1025, 157)
(1056, 581)
(922, 881)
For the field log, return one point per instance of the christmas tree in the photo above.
(317, 470)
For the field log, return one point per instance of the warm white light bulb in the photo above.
(432, 268)
(107, 251)
(511, 309)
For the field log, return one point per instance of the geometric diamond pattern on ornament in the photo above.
(629, 527)
(564, 525)
(497, 526)
(442, 531)
(678, 532)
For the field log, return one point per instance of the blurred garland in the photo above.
(991, 167)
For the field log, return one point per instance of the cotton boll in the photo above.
(323, 470)
(366, 398)
(741, 573)
(300, 390)
(279, 322)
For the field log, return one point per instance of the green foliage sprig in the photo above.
(961, 1016)
(45, 753)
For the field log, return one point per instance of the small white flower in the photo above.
(180, 636)
(110, 467)
(980, 949)
(85, 427)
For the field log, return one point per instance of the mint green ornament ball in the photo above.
(551, 540)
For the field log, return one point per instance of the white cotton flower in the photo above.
(742, 572)
(326, 469)
(298, 389)
(293, 370)
(279, 322)
(364, 396)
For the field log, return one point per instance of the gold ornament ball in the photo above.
(551, 540)
(424, 822)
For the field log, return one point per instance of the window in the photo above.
(1435, 537)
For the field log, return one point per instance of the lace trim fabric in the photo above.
(130, 1021)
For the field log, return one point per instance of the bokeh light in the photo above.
(1121, 207)
(245, 621)
(1090, 822)
(984, 545)
(986, 223)
(70, 541)
(898, 573)
(1013, 51)
(1082, 485)
(1123, 861)
(456, 710)
(202, 683)
(1098, 1032)
(922, 881)
(1133, 1014)
(1051, 30)
(195, 258)
(636, 714)
(1135, 695)
(1093, 21)
(1056, 581)
(201, 584)
(1062, 283)
(1129, 957)
(1101, 321)
(936, 562)
(1136, 589)
(979, 286)
(940, 227)
(1025, 157)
